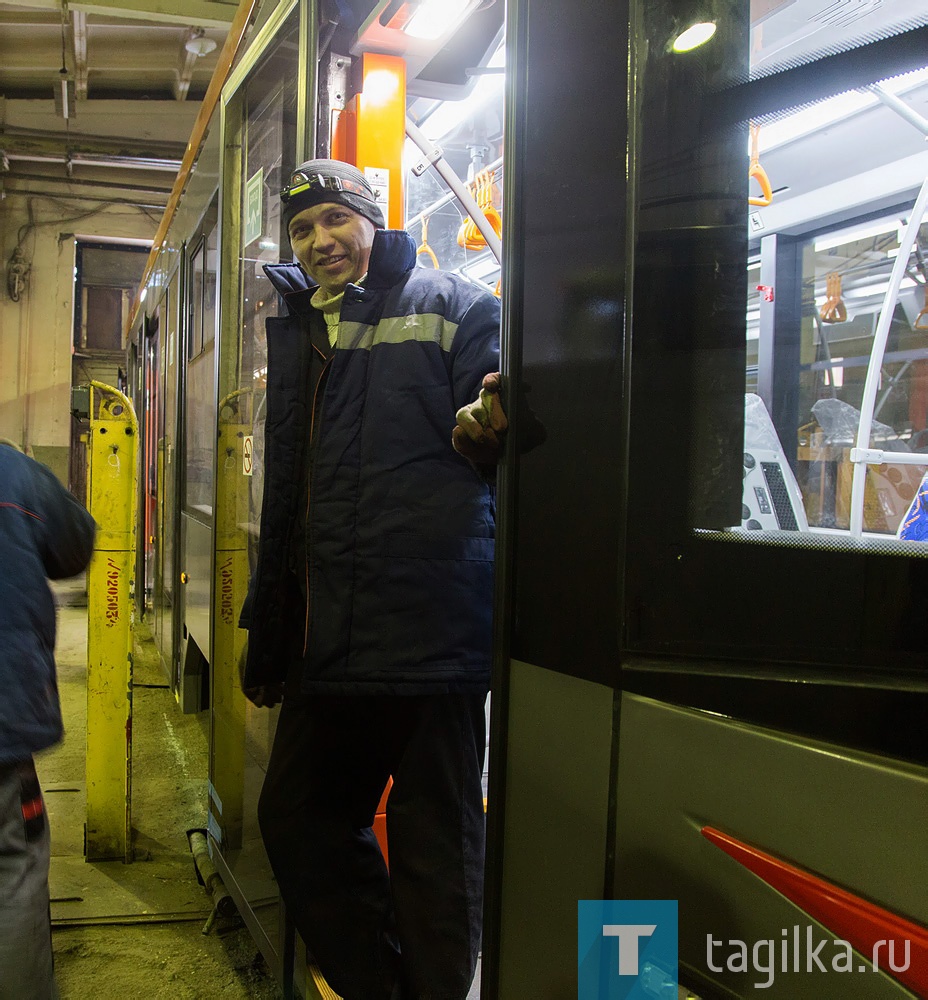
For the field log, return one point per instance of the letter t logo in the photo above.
(628, 935)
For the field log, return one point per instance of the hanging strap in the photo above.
(757, 172)
(424, 247)
(834, 309)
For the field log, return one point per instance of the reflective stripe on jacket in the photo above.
(400, 527)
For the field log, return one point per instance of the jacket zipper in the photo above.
(309, 483)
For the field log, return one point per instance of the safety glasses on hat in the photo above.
(301, 181)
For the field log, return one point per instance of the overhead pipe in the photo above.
(103, 160)
(223, 903)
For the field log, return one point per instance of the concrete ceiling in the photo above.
(132, 89)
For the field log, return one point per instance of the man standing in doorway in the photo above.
(371, 605)
(44, 532)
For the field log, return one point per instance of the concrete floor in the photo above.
(136, 929)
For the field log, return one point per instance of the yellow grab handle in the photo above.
(758, 173)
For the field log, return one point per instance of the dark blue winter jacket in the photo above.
(399, 527)
(44, 532)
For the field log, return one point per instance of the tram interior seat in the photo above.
(891, 486)
(771, 499)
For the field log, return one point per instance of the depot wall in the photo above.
(36, 333)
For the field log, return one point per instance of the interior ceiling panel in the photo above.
(133, 86)
(135, 71)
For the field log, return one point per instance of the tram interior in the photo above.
(843, 176)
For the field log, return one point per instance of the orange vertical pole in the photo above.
(371, 132)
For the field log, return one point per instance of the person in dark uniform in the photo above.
(370, 609)
(44, 532)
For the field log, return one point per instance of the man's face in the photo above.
(333, 244)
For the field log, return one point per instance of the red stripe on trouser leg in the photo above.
(33, 808)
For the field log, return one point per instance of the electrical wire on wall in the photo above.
(19, 266)
(20, 262)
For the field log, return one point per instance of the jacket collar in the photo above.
(393, 255)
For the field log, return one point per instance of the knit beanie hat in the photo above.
(317, 181)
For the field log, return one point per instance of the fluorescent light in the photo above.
(844, 236)
(833, 110)
(435, 18)
(380, 87)
(449, 114)
(876, 288)
(694, 36)
(836, 374)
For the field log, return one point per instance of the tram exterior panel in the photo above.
(666, 665)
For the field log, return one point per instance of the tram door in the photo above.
(260, 108)
(160, 522)
(196, 491)
(166, 582)
(710, 685)
(151, 474)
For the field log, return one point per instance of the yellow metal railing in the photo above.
(111, 476)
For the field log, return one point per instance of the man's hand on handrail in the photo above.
(481, 425)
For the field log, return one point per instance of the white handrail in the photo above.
(861, 455)
(434, 156)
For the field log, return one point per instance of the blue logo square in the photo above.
(627, 949)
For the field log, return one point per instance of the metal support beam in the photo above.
(902, 109)
(206, 13)
(779, 337)
(111, 475)
(48, 143)
(44, 179)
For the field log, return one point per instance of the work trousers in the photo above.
(412, 933)
(26, 971)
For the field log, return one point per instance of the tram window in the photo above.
(266, 112)
(201, 328)
(752, 330)
(200, 420)
(835, 321)
(209, 287)
(195, 327)
(470, 133)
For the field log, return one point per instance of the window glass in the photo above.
(260, 143)
(470, 134)
(195, 328)
(834, 318)
(774, 392)
(200, 382)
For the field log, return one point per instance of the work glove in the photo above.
(481, 425)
